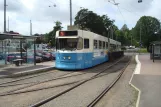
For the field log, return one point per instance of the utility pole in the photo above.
(140, 35)
(34, 42)
(109, 29)
(5, 16)
(70, 12)
(30, 28)
(140, 39)
(8, 24)
(131, 39)
(111, 32)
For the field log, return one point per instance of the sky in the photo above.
(20, 12)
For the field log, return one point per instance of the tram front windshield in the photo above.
(68, 43)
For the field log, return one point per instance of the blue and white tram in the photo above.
(79, 49)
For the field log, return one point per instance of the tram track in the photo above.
(31, 96)
(36, 83)
(99, 97)
(29, 84)
(25, 78)
(55, 78)
(11, 92)
(43, 88)
(75, 86)
(4, 84)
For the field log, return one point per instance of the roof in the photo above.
(4, 36)
(156, 42)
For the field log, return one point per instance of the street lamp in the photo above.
(157, 33)
(109, 29)
(153, 52)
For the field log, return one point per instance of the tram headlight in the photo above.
(64, 57)
(69, 57)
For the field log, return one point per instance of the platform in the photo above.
(12, 70)
(148, 81)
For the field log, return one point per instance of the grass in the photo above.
(143, 50)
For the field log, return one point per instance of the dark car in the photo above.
(53, 55)
(49, 55)
(18, 56)
(11, 57)
(44, 56)
(30, 58)
(1, 57)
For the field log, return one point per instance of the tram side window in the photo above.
(103, 45)
(86, 43)
(106, 45)
(100, 44)
(95, 44)
(111, 47)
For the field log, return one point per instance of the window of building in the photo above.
(86, 43)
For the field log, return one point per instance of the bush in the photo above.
(143, 50)
(123, 48)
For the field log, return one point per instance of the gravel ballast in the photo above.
(122, 94)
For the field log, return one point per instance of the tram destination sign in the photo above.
(68, 33)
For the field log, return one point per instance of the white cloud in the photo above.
(43, 16)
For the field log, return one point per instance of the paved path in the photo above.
(149, 82)
(12, 69)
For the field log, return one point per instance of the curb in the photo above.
(29, 72)
(138, 66)
(136, 70)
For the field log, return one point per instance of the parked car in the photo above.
(44, 57)
(30, 58)
(53, 54)
(49, 55)
(18, 56)
(11, 57)
(1, 57)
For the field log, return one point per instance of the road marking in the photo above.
(138, 66)
(139, 91)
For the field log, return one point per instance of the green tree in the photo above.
(124, 28)
(123, 35)
(88, 20)
(146, 26)
(50, 37)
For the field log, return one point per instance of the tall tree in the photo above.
(124, 28)
(50, 37)
(124, 35)
(86, 19)
(145, 29)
